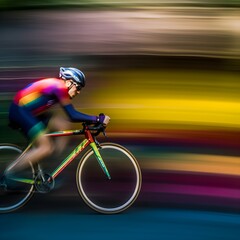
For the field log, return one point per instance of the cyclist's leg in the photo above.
(43, 148)
(59, 123)
(35, 130)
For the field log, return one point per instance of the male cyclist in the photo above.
(29, 106)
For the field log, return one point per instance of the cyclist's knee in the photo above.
(58, 123)
(45, 146)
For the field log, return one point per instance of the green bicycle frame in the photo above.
(85, 143)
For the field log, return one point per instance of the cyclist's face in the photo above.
(73, 91)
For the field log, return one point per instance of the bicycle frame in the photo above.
(89, 140)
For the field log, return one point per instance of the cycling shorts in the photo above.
(32, 126)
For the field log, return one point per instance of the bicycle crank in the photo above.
(44, 182)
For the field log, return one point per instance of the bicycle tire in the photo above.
(100, 193)
(15, 196)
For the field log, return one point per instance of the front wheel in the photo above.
(106, 195)
(15, 188)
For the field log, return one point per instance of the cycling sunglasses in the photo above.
(78, 87)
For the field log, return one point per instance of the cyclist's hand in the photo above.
(104, 119)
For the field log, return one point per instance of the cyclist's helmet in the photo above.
(73, 74)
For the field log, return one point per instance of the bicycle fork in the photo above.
(100, 159)
(94, 145)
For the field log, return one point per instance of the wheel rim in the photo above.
(15, 195)
(135, 170)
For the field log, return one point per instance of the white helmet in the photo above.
(73, 74)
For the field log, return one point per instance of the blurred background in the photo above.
(167, 72)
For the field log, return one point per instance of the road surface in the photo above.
(47, 217)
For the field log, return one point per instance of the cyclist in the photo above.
(28, 111)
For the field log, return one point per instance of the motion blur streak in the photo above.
(197, 163)
(179, 98)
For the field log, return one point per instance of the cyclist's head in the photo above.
(74, 75)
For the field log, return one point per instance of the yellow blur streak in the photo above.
(197, 163)
(189, 111)
(179, 98)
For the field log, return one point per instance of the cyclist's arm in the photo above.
(61, 93)
(76, 116)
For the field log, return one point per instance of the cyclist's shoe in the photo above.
(6, 182)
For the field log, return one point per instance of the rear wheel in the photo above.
(15, 188)
(109, 195)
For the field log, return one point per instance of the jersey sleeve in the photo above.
(76, 116)
(62, 95)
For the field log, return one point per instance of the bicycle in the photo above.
(109, 188)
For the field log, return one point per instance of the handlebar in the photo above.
(95, 129)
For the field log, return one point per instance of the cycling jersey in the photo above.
(41, 95)
(32, 101)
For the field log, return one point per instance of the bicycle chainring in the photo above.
(44, 182)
